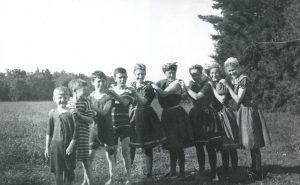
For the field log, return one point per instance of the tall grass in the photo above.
(22, 137)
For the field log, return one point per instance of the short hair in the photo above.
(139, 66)
(231, 61)
(210, 66)
(76, 84)
(61, 90)
(98, 74)
(120, 70)
(169, 67)
(197, 67)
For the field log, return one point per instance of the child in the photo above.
(174, 119)
(61, 138)
(147, 129)
(253, 131)
(102, 104)
(120, 120)
(230, 133)
(204, 119)
(84, 115)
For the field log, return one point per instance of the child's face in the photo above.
(82, 92)
(99, 84)
(121, 78)
(233, 71)
(61, 99)
(140, 75)
(196, 74)
(214, 74)
(170, 75)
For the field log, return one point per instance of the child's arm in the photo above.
(49, 134)
(140, 98)
(124, 101)
(236, 97)
(220, 98)
(70, 148)
(48, 141)
(171, 89)
(194, 95)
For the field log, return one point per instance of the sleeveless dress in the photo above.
(230, 130)
(253, 132)
(82, 143)
(103, 125)
(147, 128)
(62, 129)
(175, 120)
(203, 116)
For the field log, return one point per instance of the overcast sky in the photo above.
(87, 35)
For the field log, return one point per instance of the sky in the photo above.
(82, 36)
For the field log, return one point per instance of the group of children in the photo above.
(124, 113)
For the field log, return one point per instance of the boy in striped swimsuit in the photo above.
(121, 123)
(81, 108)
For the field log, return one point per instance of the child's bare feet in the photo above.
(109, 182)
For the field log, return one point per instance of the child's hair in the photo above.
(197, 67)
(61, 90)
(76, 84)
(119, 70)
(98, 74)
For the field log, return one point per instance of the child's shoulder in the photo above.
(51, 112)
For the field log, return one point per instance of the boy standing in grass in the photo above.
(121, 123)
(60, 138)
(81, 108)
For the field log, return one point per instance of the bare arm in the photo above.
(220, 98)
(125, 102)
(140, 98)
(173, 88)
(236, 97)
(194, 95)
(47, 146)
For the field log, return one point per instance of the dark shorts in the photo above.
(121, 133)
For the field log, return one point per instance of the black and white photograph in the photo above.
(149, 92)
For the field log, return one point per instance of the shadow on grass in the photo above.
(277, 169)
(239, 176)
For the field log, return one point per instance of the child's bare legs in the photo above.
(112, 161)
(87, 172)
(59, 178)
(126, 156)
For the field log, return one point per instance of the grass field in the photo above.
(22, 137)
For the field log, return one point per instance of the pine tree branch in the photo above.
(280, 42)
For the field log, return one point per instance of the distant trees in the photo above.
(19, 85)
(265, 37)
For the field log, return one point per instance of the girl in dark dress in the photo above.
(174, 118)
(253, 133)
(60, 139)
(147, 129)
(204, 120)
(230, 133)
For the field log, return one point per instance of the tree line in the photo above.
(265, 37)
(19, 85)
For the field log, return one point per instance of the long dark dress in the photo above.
(230, 131)
(61, 129)
(253, 132)
(147, 128)
(175, 120)
(203, 116)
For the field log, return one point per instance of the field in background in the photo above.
(22, 138)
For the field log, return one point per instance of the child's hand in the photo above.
(154, 86)
(70, 148)
(210, 83)
(46, 153)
